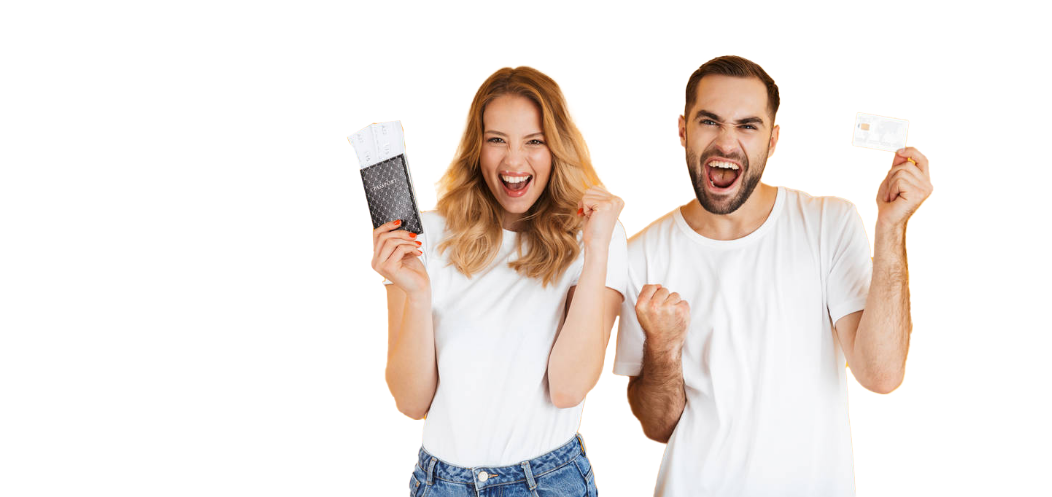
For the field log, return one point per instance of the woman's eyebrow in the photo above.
(502, 134)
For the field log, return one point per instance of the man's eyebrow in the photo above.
(498, 133)
(746, 120)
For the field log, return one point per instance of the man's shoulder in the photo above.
(821, 206)
(659, 228)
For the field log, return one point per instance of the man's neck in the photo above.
(748, 218)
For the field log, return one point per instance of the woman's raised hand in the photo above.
(396, 256)
(601, 209)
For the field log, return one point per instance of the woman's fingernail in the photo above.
(419, 252)
(412, 235)
(580, 210)
(398, 222)
(418, 243)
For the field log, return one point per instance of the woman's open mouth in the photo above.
(515, 185)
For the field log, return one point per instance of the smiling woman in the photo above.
(523, 101)
(515, 285)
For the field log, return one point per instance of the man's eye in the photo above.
(709, 122)
(748, 126)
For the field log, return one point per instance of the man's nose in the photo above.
(727, 141)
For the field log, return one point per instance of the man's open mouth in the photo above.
(722, 174)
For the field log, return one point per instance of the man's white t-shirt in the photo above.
(765, 378)
(493, 335)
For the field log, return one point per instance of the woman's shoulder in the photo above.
(434, 223)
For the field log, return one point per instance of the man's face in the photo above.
(728, 136)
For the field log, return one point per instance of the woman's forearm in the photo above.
(576, 360)
(412, 370)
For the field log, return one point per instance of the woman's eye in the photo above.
(535, 142)
(496, 140)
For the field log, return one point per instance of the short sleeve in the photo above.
(616, 256)
(628, 361)
(850, 267)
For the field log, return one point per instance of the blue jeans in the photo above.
(563, 472)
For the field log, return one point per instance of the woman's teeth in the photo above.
(514, 179)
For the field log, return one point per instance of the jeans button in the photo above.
(483, 476)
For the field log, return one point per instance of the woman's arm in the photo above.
(412, 371)
(579, 355)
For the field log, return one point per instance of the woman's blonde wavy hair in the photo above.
(550, 226)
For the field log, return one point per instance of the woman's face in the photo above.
(515, 158)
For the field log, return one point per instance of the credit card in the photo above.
(879, 132)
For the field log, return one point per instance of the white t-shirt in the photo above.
(766, 399)
(493, 335)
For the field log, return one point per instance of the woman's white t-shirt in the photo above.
(493, 335)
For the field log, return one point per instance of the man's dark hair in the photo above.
(734, 66)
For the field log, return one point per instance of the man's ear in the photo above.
(774, 140)
(682, 131)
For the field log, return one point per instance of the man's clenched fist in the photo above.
(664, 317)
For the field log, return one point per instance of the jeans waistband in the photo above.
(480, 477)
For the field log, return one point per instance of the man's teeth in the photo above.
(514, 179)
(723, 165)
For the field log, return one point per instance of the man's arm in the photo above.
(656, 395)
(876, 341)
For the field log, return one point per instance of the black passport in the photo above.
(385, 175)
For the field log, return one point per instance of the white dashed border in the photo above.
(448, 85)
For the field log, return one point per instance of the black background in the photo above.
(214, 254)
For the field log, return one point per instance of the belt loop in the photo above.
(584, 450)
(431, 471)
(529, 475)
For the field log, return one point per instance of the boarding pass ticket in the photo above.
(378, 142)
(879, 132)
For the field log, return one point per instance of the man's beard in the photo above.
(696, 168)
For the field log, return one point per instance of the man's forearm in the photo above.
(883, 336)
(656, 395)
